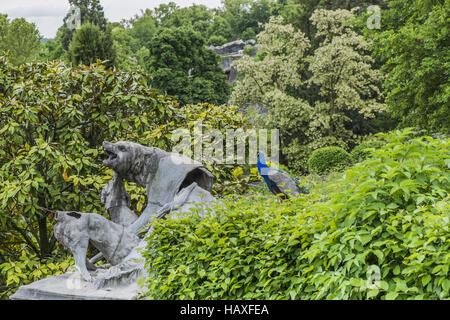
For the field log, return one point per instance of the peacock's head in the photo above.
(260, 157)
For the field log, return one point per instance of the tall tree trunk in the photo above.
(332, 111)
(44, 243)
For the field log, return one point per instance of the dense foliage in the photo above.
(181, 66)
(29, 268)
(20, 38)
(309, 95)
(412, 36)
(324, 160)
(360, 152)
(298, 12)
(388, 214)
(89, 44)
(415, 49)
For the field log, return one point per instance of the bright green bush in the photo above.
(29, 268)
(242, 251)
(216, 40)
(389, 213)
(360, 152)
(324, 160)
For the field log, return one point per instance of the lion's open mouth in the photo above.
(110, 155)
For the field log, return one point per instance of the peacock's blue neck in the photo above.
(261, 165)
(263, 169)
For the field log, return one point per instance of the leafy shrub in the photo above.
(251, 50)
(29, 268)
(323, 116)
(182, 66)
(90, 43)
(389, 214)
(241, 251)
(360, 152)
(392, 212)
(218, 119)
(324, 160)
(215, 40)
(248, 34)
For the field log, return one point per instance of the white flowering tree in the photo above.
(307, 93)
(343, 74)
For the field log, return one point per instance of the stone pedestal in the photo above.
(70, 286)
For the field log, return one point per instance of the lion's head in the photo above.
(130, 160)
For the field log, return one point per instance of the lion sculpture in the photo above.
(173, 183)
(162, 173)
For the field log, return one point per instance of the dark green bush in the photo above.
(251, 50)
(383, 234)
(324, 160)
(360, 152)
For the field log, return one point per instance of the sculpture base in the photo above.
(70, 286)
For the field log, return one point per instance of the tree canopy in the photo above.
(182, 66)
(415, 49)
(20, 38)
(90, 44)
(308, 94)
(91, 11)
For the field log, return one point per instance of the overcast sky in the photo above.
(48, 14)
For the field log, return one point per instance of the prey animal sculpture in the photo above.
(75, 230)
(117, 202)
(279, 182)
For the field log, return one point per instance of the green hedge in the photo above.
(389, 214)
(324, 160)
(360, 152)
(242, 251)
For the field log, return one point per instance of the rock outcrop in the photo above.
(229, 52)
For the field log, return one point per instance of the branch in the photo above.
(25, 236)
(260, 89)
(52, 244)
(31, 229)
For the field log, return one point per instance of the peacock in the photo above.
(279, 182)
